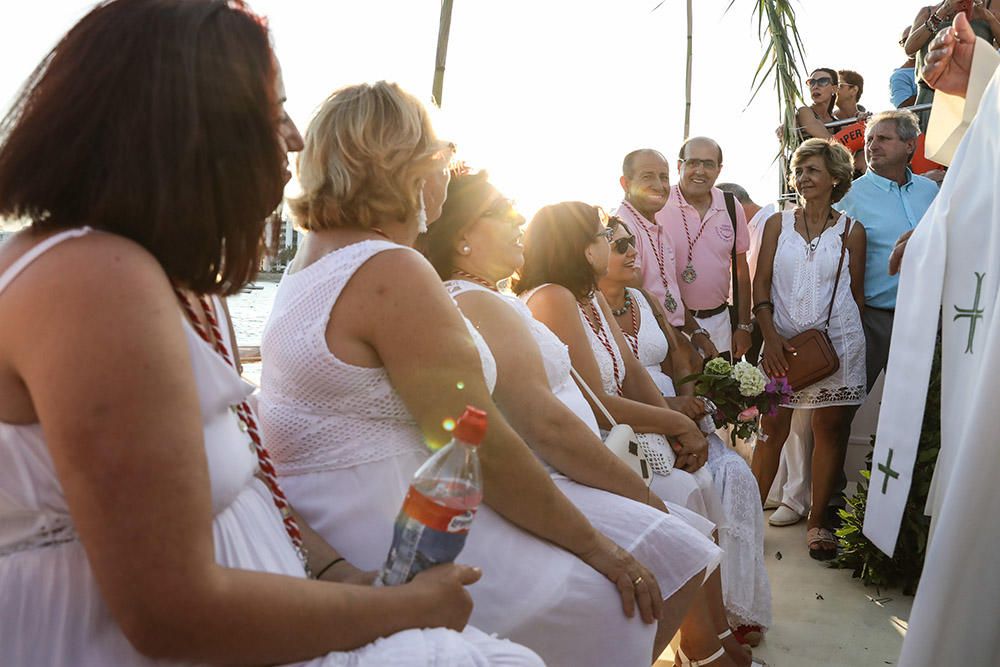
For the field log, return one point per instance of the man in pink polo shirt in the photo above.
(646, 182)
(703, 235)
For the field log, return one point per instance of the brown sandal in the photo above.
(822, 543)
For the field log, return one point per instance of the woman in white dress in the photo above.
(473, 246)
(133, 528)
(745, 585)
(365, 356)
(793, 291)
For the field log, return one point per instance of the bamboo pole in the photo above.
(444, 30)
(687, 81)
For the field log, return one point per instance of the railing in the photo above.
(850, 121)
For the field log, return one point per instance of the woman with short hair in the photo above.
(148, 149)
(797, 271)
(366, 359)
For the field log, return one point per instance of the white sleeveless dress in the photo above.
(801, 289)
(679, 487)
(746, 588)
(52, 610)
(672, 547)
(346, 448)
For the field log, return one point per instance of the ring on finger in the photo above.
(637, 580)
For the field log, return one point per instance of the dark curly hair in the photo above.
(555, 245)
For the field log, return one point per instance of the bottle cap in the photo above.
(471, 426)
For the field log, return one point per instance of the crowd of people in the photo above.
(154, 509)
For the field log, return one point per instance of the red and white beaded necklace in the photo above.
(602, 336)
(471, 277)
(213, 336)
(668, 302)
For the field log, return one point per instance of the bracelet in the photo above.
(762, 305)
(328, 566)
(703, 331)
(748, 327)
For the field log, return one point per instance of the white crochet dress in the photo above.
(746, 588)
(801, 289)
(52, 609)
(346, 449)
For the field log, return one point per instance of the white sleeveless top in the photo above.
(52, 609)
(652, 343)
(317, 411)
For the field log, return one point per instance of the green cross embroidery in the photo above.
(974, 314)
(888, 471)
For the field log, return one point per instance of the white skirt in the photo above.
(54, 615)
(532, 592)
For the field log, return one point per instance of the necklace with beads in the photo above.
(618, 312)
(471, 277)
(668, 301)
(689, 275)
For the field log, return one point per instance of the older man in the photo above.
(711, 240)
(889, 200)
(646, 182)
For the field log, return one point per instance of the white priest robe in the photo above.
(951, 268)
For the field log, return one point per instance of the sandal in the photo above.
(824, 542)
(686, 662)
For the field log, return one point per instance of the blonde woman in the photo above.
(792, 290)
(366, 357)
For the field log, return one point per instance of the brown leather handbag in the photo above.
(814, 358)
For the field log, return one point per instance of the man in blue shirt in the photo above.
(888, 200)
(903, 81)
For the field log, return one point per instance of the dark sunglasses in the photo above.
(606, 233)
(821, 81)
(622, 245)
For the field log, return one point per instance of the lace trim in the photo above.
(827, 396)
(47, 537)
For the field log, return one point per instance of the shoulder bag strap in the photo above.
(731, 207)
(840, 265)
(656, 311)
(590, 392)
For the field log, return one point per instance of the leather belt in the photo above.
(710, 312)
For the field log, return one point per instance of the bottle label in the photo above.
(438, 517)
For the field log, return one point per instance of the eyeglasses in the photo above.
(606, 233)
(821, 81)
(695, 163)
(622, 245)
(502, 209)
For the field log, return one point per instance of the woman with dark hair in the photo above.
(810, 275)
(147, 150)
(474, 246)
(822, 84)
(665, 354)
(366, 358)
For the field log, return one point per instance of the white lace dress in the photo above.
(746, 588)
(801, 289)
(346, 448)
(52, 610)
(671, 546)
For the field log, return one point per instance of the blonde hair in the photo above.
(367, 151)
(838, 160)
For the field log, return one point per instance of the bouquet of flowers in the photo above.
(740, 393)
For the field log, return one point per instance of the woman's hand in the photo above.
(444, 588)
(775, 363)
(690, 406)
(635, 583)
(705, 345)
(691, 447)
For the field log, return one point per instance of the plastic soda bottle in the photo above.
(439, 507)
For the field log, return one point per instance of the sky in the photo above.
(548, 95)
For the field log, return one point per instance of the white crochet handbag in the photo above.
(621, 439)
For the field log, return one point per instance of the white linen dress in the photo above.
(801, 289)
(746, 588)
(52, 610)
(346, 448)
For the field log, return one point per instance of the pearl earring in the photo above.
(466, 250)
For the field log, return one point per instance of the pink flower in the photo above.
(749, 414)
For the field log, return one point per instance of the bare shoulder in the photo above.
(773, 224)
(551, 296)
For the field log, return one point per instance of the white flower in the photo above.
(752, 380)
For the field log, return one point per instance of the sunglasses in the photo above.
(622, 245)
(502, 209)
(821, 81)
(606, 233)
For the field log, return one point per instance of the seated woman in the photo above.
(664, 352)
(366, 357)
(133, 528)
(807, 279)
(476, 244)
